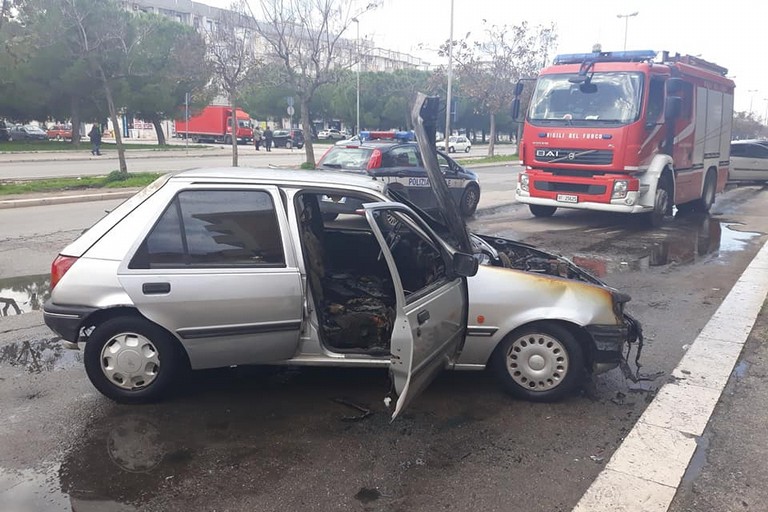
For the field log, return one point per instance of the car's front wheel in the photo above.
(466, 149)
(470, 200)
(541, 362)
(132, 360)
(288, 144)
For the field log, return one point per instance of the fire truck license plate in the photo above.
(567, 198)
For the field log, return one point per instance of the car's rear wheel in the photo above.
(466, 149)
(541, 362)
(451, 149)
(132, 360)
(288, 144)
(540, 210)
(470, 199)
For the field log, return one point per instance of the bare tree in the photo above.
(104, 38)
(305, 38)
(233, 57)
(489, 69)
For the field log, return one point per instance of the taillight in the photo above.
(375, 161)
(59, 267)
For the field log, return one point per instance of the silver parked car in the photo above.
(217, 267)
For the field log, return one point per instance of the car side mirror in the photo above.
(464, 265)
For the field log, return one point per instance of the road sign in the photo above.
(290, 110)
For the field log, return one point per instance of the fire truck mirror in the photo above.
(674, 86)
(672, 107)
(519, 88)
(515, 108)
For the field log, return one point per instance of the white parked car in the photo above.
(749, 160)
(330, 134)
(456, 143)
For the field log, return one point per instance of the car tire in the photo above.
(451, 149)
(541, 362)
(115, 351)
(470, 199)
(58, 137)
(288, 144)
(541, 210)
(466, 149)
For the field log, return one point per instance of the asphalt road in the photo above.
(274, 439)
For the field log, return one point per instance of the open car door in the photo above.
(429, 280)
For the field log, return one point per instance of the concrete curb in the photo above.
(65, 199)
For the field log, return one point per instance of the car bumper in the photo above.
(65, 321)
(609, 342)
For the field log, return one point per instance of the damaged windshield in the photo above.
(606, 98)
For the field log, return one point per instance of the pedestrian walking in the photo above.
(95, 136)
(257, 137)
(268, 139)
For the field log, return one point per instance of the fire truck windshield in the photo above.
(605, 99)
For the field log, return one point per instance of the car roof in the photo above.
(280, 176)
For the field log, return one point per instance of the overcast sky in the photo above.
(732, 34)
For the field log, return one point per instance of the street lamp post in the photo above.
(357, 51)
(450, 79)
(626, 24)
(751, 99)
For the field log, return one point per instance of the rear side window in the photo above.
(214, 228)
(346, 158)
(403, 156)
(738, 150)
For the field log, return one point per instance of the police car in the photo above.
(394, 158)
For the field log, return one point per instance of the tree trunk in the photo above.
(233, 106)
(159, 131)
(115, 125)
(74, 111)
(309, 149)
(492, 142)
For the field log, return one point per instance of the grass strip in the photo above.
(113, 180)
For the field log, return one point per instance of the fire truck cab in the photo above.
(621, 132)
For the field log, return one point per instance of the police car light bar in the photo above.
(626, 56)
(380, 135)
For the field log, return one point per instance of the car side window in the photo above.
(759, 151)
(403, 156)
(738, 150)
(214, 228)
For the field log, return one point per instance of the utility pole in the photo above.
(626, 24)
(450, 78)
(357, 51)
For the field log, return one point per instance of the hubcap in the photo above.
(537, 362)
(471, 197)
(130, 361)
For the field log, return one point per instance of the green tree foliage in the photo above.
(168, 63)
(746, 126)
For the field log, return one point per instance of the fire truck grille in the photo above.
(575, 156)
(569, 187)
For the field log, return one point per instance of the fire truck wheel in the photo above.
(660, 206)
(540, 210)
(707, 199)
(227, 140)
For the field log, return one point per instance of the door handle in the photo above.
(155, 288)
(422, 317)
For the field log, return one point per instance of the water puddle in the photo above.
(740, 371)
(685, 243)
(32, 489)
(19, 295)
(39, 355)
(698, 461)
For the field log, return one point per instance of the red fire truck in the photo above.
(624, 132)
(214, 124)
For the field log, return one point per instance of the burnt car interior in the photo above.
(349, 279)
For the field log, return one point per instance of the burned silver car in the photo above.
(218, 267)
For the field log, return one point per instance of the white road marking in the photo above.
(645, 471)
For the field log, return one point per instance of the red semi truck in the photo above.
(624, 132)
(214, 124)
